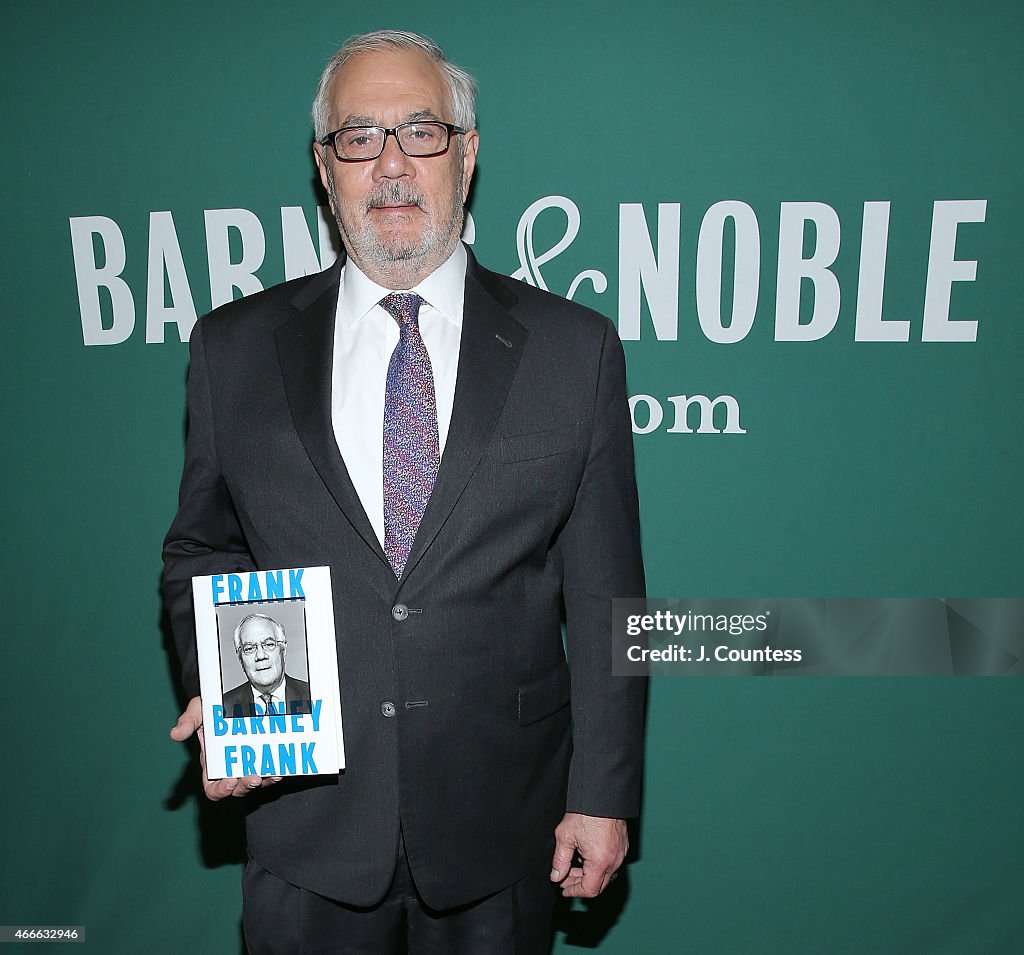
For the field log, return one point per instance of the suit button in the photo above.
(388, 709)
(400, 611)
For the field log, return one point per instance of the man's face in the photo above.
(263, 667)
(399, 217)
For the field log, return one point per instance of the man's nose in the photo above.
(392, 163)
(261, 652)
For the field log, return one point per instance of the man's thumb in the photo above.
(188, 722)
(561, 861)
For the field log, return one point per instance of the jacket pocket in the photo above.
(537, 444)
(543, 697)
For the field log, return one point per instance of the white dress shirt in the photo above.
(364, 338)
(276, 698)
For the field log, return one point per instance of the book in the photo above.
(268, 673)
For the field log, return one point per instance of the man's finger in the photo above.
(595, 878)
(217, 789)
(571, 883)
(246, 785)
(189, 721)
(587, 882)
(561, 860)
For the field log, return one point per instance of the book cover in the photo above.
(268, 673)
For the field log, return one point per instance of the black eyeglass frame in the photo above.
(248, 649)
(453, 130)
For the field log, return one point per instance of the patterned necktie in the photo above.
(268, 703)
(411, 452)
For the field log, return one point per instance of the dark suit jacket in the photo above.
(296, 698)
(462, 716)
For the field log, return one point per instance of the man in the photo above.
(461, 457)
(262, 649)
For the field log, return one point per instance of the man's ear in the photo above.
(320, 155)
(470, 145)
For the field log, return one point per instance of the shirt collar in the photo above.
(444, 290)
(277, 692)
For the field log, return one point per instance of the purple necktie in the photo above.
(411, 452)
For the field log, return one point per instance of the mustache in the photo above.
(392, 194)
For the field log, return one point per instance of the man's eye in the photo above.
(359, 139)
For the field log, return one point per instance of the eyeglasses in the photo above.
(248, 649)
(362, 143)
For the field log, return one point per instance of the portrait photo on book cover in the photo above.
(263, 658)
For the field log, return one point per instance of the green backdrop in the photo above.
(797, 816)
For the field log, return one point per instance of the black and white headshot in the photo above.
(261, 647)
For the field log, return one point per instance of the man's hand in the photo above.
(601, 844)
(191, 721)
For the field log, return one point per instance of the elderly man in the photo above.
(262, 648)
(456, 446)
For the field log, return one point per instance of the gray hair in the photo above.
(461, 86)
(281, 635)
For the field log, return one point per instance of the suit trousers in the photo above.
(283, 919)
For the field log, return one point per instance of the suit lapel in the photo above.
(305, 347)
(492, 343)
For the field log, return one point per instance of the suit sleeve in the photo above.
(205, 536)
(600, 548)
